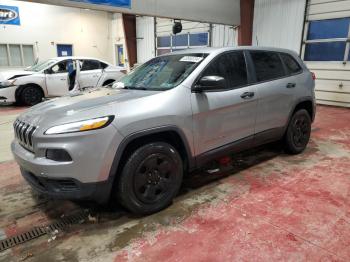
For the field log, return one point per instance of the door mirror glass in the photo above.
(210, 83)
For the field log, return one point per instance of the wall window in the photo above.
(16, 55)
(166, 44)
(327, 40)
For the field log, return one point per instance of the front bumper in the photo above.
(68, 188)
(7, 94)
(85, 176)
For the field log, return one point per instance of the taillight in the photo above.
(313, 76)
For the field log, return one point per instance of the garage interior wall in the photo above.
(278, 23)
(148, 29)
(328, 54)
(145, 40)
(92, 33)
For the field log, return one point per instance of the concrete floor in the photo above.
(268, 206)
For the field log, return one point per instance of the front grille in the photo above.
(24, 134)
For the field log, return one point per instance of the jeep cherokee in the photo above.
(134, 141)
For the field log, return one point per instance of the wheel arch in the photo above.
(306, 104)
(21, 88)
(302, 103)
(108, 81)
(169, 134)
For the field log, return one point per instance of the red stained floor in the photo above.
(272, 207)
(303, 215)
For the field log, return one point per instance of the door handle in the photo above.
(63, 79)
(247, 95)
(290, 85)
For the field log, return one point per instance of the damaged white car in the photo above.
(55, 77)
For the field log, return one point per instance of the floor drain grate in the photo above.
(42, 230)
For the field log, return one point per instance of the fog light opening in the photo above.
(59, 155)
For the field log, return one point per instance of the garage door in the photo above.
(154, 36)
(326, 50)
(194, 34)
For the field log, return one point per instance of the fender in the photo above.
(128, 139)
(298, 101)
(21, 87)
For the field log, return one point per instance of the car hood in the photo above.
(72, 104)
(5, 75)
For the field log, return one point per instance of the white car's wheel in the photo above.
(31, 95)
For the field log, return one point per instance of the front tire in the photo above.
(31, 95)
(150, 179)
(298, 132)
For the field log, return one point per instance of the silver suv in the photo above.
(133, 141)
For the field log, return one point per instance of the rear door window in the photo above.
(291, 64)
(90, 65)
(268, 65)
(231, 66)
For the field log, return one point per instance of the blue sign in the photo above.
(118, 3)
(9, 15)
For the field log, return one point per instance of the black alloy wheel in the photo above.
(298, 132)
(150, 179)
(153, 178)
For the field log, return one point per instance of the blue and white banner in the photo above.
(9, 15)
(117, 3)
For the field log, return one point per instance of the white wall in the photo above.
(92, 33)
(145, 38)
(224, 35)
(278, 23)
(117, 36)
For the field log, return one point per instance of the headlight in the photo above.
(85, 125)
(7, 83)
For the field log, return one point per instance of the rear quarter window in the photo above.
(292, 66)
(268, 65)
(103, 65)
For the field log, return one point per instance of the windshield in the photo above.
(41, 65)
(162, 73)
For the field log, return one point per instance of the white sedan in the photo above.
(55, 77)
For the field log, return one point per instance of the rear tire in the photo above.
(31, 95)
(298, 132)
(150, 179)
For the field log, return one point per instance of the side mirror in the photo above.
(47, 71)
(210, 83)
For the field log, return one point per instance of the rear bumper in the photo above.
(7, 94)
(68, 188)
